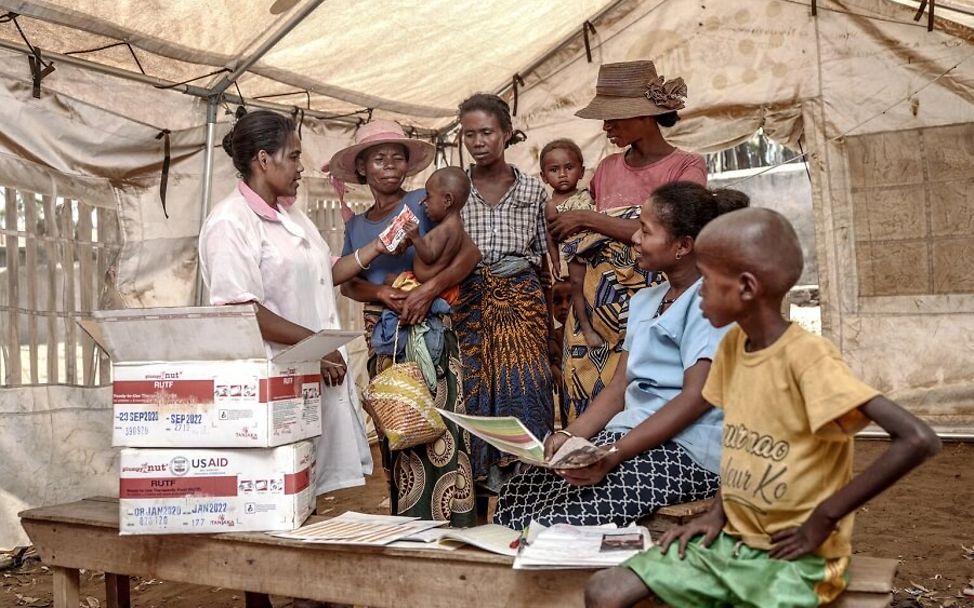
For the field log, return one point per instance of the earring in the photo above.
(679, 256)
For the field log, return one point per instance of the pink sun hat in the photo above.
(342, 164)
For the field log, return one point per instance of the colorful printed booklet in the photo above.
(509, 434)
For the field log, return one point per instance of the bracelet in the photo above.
(359, 260)
(563, 432)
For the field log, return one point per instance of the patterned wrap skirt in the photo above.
(612, 277)
(503, 326)
(431, 481)
(662, 476)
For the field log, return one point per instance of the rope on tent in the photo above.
(36, 73)
(39, 69)
(111, 46)
(877, 17)
(297, 115)
(515, 81)
(243, 102)
(459, 145)
(179, 84)
(802, 150)
(588, 27)
(164, 135)
(368, 118)
(923, 6)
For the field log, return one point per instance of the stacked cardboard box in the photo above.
(216, 435)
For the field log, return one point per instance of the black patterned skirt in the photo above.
(662, 476)
(434, 480)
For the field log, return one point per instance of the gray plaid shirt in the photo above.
(514, 227)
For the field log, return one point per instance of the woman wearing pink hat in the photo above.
(632, 102)
(432, 481)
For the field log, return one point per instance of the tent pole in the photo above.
(212, 105)
(265, 46)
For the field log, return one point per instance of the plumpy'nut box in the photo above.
(191, 491)
(202, 377)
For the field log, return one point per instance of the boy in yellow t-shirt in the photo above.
(778, 534)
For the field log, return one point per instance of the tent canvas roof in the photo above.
(411, 61)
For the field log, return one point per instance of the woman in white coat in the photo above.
(255, 247)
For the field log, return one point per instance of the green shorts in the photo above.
(729, 573)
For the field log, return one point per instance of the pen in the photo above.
(521, 540)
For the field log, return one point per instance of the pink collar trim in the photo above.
(260, 206)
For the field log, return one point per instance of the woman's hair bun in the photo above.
(729, 200)
(227, 142)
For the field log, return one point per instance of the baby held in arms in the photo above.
(446, 192)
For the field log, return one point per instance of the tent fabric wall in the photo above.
(56, 446)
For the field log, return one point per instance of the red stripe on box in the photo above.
(296, 482)
(174, 487)
(278, 388)
(161, 392)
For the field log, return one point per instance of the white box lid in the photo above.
(204, 333)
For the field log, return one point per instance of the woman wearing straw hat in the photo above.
(632, 102)
(431, 481)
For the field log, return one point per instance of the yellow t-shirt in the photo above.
(790, 411)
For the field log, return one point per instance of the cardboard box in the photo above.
(191, 491)
(200, 377)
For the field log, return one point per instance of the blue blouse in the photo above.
(660, 350)
(360, 231)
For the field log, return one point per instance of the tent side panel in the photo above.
(893, 214)
(57, 448)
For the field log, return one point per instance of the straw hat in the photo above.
(342, 164)
(632, 88)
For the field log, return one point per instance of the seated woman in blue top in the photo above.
(666, 437)
(432, 481)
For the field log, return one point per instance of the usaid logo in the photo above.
(179, 465)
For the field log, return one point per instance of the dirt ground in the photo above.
(925, 522)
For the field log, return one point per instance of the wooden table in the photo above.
(84, 534)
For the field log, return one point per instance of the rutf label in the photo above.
(162, 393)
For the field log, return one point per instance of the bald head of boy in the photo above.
(756, 242)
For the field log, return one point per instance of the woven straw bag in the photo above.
(401, 404)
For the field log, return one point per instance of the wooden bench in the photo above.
(84, 534)
(673, 516)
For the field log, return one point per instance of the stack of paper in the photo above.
(351, 528)
(490, 537)
(567, 546)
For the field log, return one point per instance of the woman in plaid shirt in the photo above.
(502, 319)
